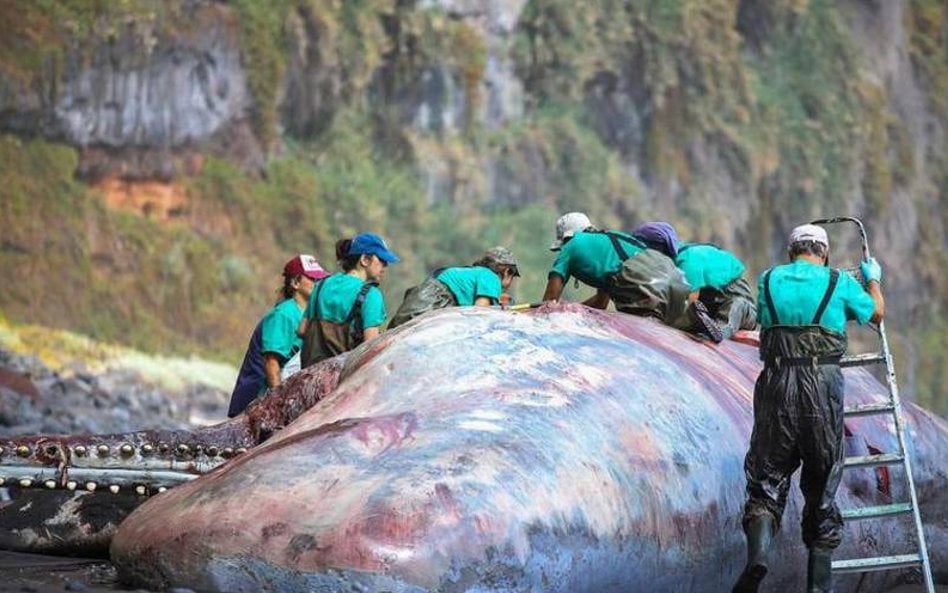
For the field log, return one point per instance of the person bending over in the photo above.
(480, 284)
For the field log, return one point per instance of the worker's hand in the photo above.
(871, 270)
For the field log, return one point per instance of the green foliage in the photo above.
(569, 163)
(929, 48)
(932, 370)
(807, 101)
(35, 35)
(112, 275)
(263, 56)
(799, 129)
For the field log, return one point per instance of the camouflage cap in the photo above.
(501, 256)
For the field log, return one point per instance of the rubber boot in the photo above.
(819, 572)
(704, 324)
(760, 533)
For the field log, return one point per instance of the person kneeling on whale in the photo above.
(623, 270)
(480, 284)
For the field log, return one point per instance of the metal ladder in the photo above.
(891, 407)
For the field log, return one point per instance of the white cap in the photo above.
(809, 232)
(566, 227)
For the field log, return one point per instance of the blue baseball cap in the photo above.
(372, 244)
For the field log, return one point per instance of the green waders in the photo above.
(429, 295)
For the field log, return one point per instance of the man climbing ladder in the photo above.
(798, 400)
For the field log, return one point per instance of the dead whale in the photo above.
(566, 450)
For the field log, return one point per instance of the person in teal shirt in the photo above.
(715, 276)
(347, 308)
(480, 284)
(274, 340)
(623, 270)
(798, 400)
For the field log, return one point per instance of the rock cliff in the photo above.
(447, 123)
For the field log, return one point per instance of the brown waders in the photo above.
(325, 339)
(798, 417)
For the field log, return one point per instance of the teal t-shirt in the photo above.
(797, 289)
(338, 295)
(591, 257)
(708, 265)
(278, 330)
(469, 283)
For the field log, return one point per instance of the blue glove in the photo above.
(871, 270)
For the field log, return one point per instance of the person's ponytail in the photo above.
(286, 291)
(346, 261)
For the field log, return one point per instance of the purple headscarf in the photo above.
(659, 235)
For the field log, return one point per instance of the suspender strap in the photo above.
(774, 320)
(316, 300)
(834, 278)
(357, 305)
(617, 240)
(620, 251)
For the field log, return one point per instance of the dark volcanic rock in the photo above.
(35, 400)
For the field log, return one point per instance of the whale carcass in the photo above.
(565, 450)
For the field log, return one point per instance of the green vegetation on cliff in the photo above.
(688, 108)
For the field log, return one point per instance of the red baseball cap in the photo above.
(304, 265)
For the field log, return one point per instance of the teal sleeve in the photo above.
(278, 335)
(561, 265)
(373, 309)
(859, 304)
(488, 286)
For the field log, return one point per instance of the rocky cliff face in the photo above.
(736, 119)
(138, 98)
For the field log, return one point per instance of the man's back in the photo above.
(708, 265)
(796, 291)
(592, 256)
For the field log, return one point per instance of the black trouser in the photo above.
(798, 417)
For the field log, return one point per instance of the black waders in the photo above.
(798, 419)
(760, 532)
(819, 573)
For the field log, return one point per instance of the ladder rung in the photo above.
(869, 409)
(856, 360)
(879, 563)
(879, 511)
(871, 460)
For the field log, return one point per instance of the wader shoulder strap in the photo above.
(834, 278)
(617, 241)
(774, 320)
(355, 312)
(357, 305)
(316, 300)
